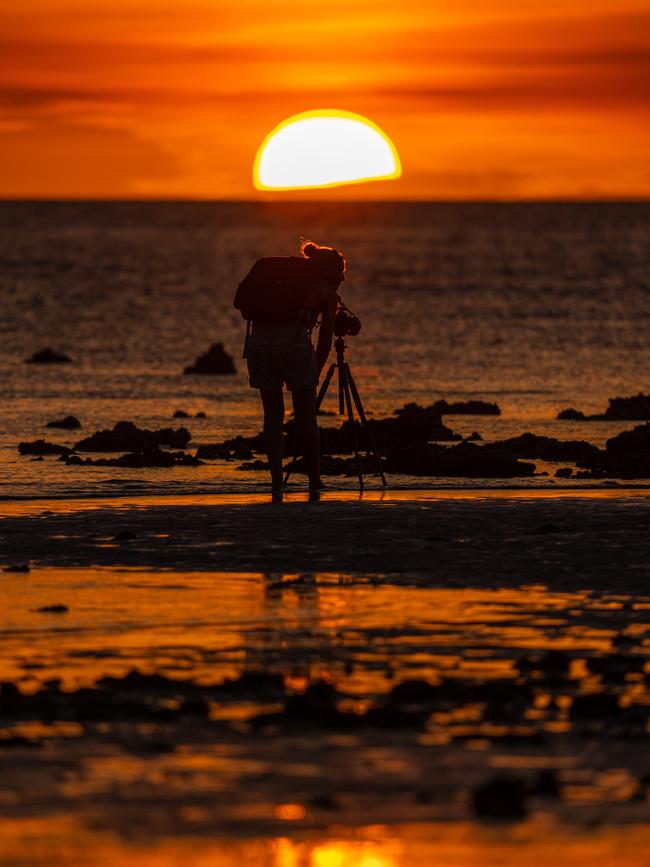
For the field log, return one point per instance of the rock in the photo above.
(571, 415)
(126, 436)
(467, 407)
(42, 447)
(636, 408)
(464, 460)
(474, 437)
(53, 609)
(215, 361)
(68, 423)
(502, 797)
(414, 692)
(48, 356)
(564, 473)
(594, 705)
(215, 451)
(616, 666)
(626, 455)
(200, 415)
(36, 460)
(180, 413)
(529, 445)
(149, 457)
(22, 568)
(546, 785)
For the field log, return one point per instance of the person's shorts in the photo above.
(277, 359)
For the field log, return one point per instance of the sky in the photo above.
(484, 99)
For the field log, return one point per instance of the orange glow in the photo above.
(505, 99)
(325, 148)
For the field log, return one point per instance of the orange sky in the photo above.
(483, 98)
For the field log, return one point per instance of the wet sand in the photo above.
(511, 607)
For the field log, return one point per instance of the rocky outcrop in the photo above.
(214, 362)
(148, 457)
(48, 356)
(466, 407)
(529, 445)
(636, 408)
(42, 447)
(464, 460)
(626, 455)
(127, 437)
(67, 423)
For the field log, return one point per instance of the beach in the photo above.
(229, 680)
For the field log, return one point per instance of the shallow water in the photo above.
(534, 306)
(216, 789)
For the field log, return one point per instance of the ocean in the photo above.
(537, 306)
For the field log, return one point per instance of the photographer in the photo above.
(282, 299)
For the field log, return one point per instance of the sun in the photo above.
(324, 148)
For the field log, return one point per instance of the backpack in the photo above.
(275, 288)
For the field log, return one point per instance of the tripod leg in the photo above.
(343, 375)
(320, 398)
(364, 420)
(322, 391)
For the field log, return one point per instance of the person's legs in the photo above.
(273, 403)
(304, 408)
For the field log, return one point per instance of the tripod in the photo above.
(348, 394)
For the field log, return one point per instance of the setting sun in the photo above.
(325, 148)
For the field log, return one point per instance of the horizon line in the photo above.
(641, 199)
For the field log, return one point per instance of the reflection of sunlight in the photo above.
(324, 149)
(349, 854)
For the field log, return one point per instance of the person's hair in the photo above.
(329, 261)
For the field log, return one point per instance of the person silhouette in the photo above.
(282, 299)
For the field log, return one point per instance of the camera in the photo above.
(345, 322)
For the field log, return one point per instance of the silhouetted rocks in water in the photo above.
(126, 436)
(529, 445)
(502, 797)
(626, 456)
(615, 667)
(180, 413)
(215, 361)
(636, 408)
(571, 415)
(466, 407)
(464, 460)
(151, 456)
(564, 473)
(42, 447)
(53, 609)
(20, 568)
(67, 423)
(594, 706)
(48, 356)
(222, 452)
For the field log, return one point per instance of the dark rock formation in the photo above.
(48, 356)
(180, 413)
(501, 798)
(466, 407)
(151, 456)
(626, 456)
(564, 473)
(635, 408)
(529, 445)
(571, 415)
(125, 436)
(463, 460)
(67, 423)
(42, 447)
(215, 361)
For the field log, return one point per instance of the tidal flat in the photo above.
(452, 677)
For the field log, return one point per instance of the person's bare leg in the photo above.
(273, 403)
(304, 408)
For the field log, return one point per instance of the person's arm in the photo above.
(326, 330)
